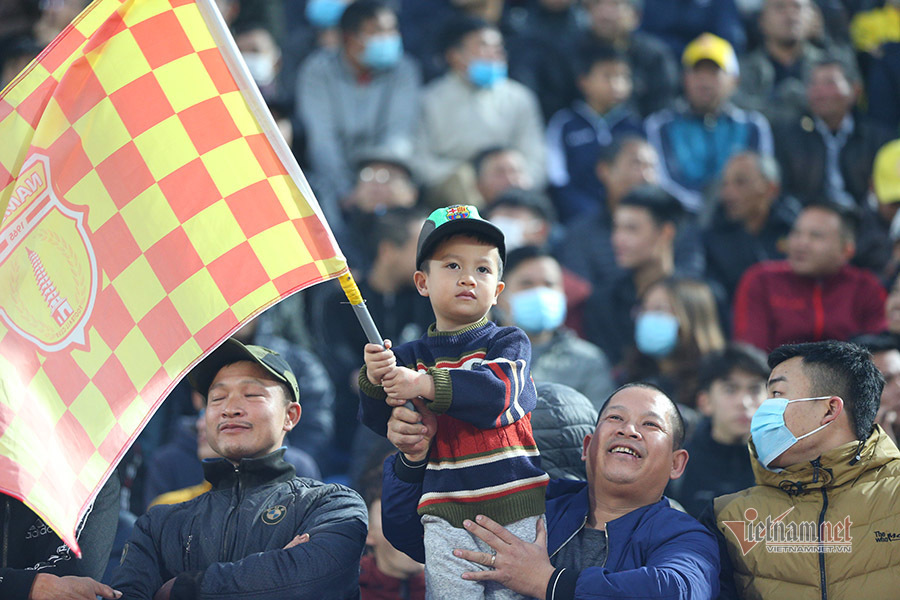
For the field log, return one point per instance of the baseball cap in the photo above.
(886, 173)
(453, 220)
(232, 351)
(711, 47)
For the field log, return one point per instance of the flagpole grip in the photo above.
(351, 290)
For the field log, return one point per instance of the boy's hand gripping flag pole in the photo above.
(362, 314)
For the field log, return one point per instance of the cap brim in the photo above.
(461, 227)
(231, 351)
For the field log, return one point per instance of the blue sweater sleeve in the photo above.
(685, 566)
(495, 393)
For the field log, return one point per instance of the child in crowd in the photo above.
(475, 376)
(577, 135)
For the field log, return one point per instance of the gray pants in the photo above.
(443, 571)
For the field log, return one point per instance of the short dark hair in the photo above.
(735, 356)
(674, 414)
(482, 157)
(537, 202)
(454, 32)
(848, 215)
(357, 13)
(662, 206)
(877, 342)
(523, 253)
(608, 154)
(849, 70)
(598, 53)
(393, 226)
(840, 369)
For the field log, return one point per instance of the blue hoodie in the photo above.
(653, 552)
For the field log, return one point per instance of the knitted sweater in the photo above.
(483, 458)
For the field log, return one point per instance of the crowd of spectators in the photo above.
(672, 177)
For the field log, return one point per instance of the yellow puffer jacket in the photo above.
(856, 504)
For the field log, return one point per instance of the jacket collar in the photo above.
(251, 472)
(832, 469)
(570, 502)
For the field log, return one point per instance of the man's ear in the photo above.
(420, 278)
(584, 447)
(835, 408)
(292, 415)
(679, 462)
(849, 249)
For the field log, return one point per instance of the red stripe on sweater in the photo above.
(457, 439)
(447, 364)
(484, 497)
(501, 374)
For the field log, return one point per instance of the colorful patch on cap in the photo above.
(273, 515)
(458, 212)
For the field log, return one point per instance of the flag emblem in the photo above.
(46, 254)
(457, 212)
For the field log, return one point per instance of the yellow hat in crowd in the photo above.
(711, 47)
(886, 173)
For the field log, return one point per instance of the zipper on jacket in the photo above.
(822, 578)
(5, 532)
(186, 554)
(230, 515)
(569, 539)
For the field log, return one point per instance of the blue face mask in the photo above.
(382, 51)
(770, 435)
(486, 73)
(538, 309)
(656, 333)
(325, 13)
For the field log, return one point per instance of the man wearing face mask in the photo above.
(360, 96)
(534, 301)
(475, 106)
(826, 479)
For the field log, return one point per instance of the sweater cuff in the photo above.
(562, 585)
(443, 390)
(16, 583)
(409, 471)
(368, 388)
(187, 586)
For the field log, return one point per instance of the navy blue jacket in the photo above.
(653, 552)
(575, 138)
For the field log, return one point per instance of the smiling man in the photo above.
(261, 531)
(612, 536)
(814, 295)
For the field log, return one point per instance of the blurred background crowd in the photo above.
(683, 184)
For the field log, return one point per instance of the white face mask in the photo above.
(261, 67)
(771, 436)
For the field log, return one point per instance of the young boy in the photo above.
(475, 376)
(732, 385)
(577, 135)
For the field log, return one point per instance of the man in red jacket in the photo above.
(815, 294)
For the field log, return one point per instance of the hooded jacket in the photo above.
(852, 502)
(228, 542)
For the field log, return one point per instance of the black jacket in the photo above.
(228, 542)
(28, 547)
(731, 249)
(802, 154)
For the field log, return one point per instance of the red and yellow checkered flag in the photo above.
(152, 209)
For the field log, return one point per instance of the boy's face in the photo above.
(462, 281)
(730, 403)
(606, 85)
